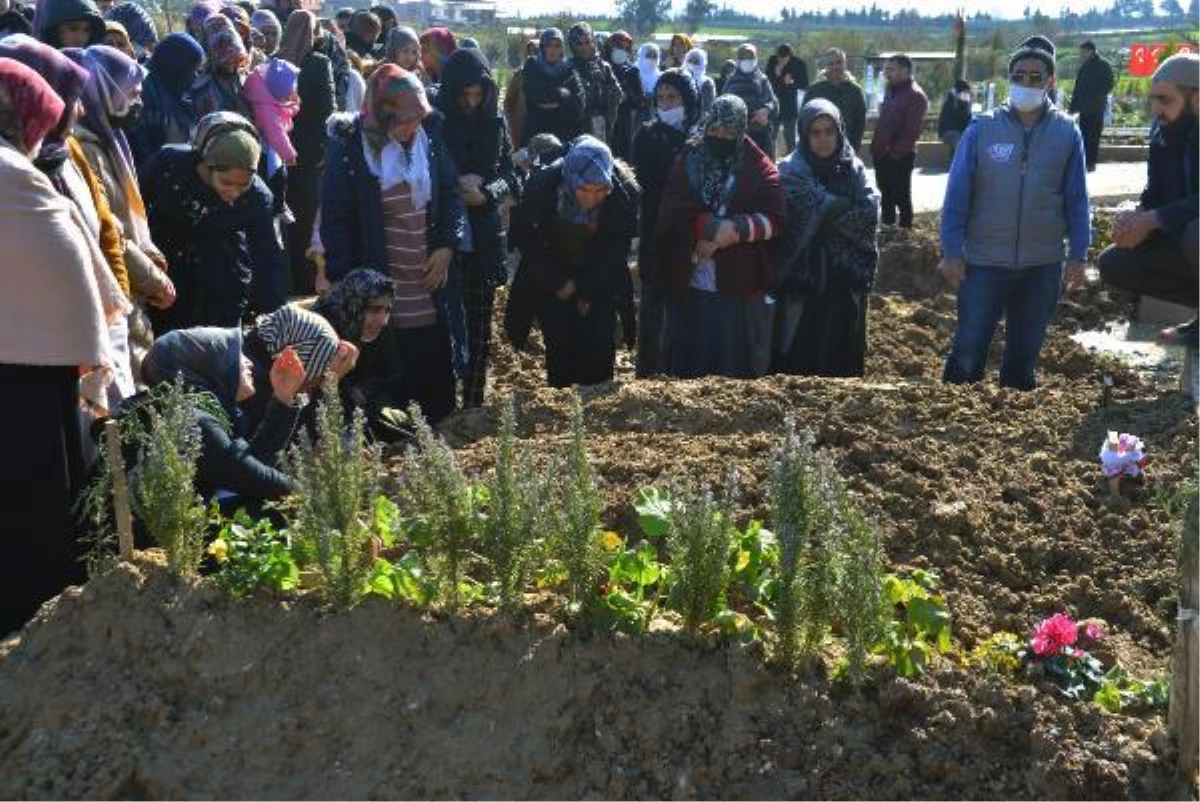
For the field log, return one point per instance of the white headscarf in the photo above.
(648, 67)
(394, 165)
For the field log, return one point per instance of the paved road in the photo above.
(1110, 183)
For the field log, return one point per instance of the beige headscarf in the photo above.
(297, 37)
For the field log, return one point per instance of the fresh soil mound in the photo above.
(140, 685)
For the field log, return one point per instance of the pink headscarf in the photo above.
(271, 90)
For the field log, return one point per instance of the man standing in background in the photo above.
(837, 86)
(1093, 82)
(894, 145)
(788, 75)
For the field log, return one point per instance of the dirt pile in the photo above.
(139, 685)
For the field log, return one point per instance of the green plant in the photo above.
(163, 493)
(699, 538)
(575, 544)
(332, 512)
(623, 603)
(860, 608)
(516, 515)
(1119, 691)
(922, 629)
(253, 555)
(444, 510)
(1000, 653)
(802, 506)
(754, 573)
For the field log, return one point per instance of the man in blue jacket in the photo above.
(1155, 247)
(1017, 190)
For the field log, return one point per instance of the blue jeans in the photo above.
(1026, 298)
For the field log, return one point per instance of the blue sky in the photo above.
(771, 7)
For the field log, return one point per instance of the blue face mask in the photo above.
(673, 117)
(1026, 98)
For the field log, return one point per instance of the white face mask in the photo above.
(697, 70)
(1026, 98)
(964, 97)
(673, 117)
(748, 65)
(620, 56)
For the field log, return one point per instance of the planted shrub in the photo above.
(699, 538)
(337, 479)
(444, 508)
(575, 544)
(830, 559)
(516, 519)
(163, 495)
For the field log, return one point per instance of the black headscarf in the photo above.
(206, 358)
(345, 306)
(472, 138)
(840, 163)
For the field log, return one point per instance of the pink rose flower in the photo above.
(1052, 635)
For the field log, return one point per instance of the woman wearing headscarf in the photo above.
(201, 11)
(602, 94)
(63, 161)
(359, 307)
(553, 94)
(117, 37)
(313, 340)
(514, 95)
(437, 45)
(218, 87)
(139, 28)
(574, 227)
(696, 65)
(167, 115)
(233, 457)
(722, 205)
(477, 139)
(828, 252)
(110, 98)
(618, 50)
(390, 200)
(648, 72)
(317, 101)
(53, 330)
(267, 24)
(403, 48)
(751, 84)
(213, 218)
(681, 43)
(68, 23)
(655, 148)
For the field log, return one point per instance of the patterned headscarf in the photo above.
(114, 79)
(241, 21)
(29, 109)
(312, 336)
(728, 111)
(437, 44)
(576, 33)
(138, 25)
(213, 128)
(387, 83)
(224, 46)
(111, 28)
(589, 161)
(345, 306)
(67, 80)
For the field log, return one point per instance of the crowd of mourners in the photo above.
(268, 198)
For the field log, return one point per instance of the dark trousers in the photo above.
(479, 296)
(427, 371)
(39, 475)
(1026, 298)
(1162, 267)
(302, 198)
(1090, 125)
(894, 177)
(652, 310)
(787, 124)
(580, 349)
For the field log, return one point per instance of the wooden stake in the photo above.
(1183, 716)
(120, 490)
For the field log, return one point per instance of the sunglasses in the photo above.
(1027, 78)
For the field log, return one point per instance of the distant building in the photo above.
(423, 13)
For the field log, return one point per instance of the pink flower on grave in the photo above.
(1052, 635)
(1094, 630)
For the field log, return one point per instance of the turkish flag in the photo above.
(1145, 58)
